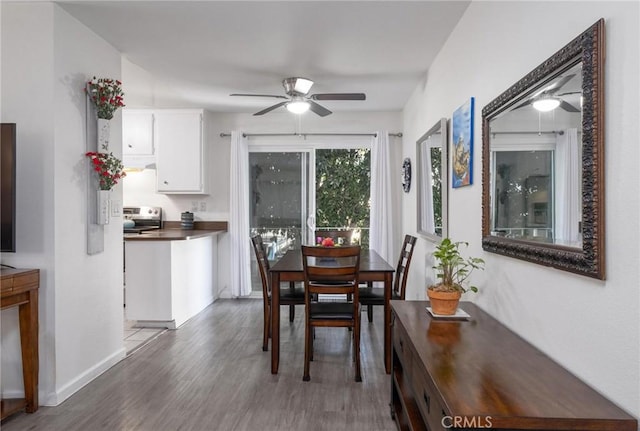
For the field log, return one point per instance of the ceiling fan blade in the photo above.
(339, 96)
(318, 109)
(258, 95)
(558, 85)
(570, 92)
(522, 105)
(568, 107)
(271, 108)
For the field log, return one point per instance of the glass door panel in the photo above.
(278, 203)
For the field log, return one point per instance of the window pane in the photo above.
(276, 202)
(343, 191)
(523, 195)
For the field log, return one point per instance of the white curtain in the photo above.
(568, 180)
(381, 234)
(239, 217)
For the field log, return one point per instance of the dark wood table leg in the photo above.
(28, 315)
(388, 286)
(275, 322)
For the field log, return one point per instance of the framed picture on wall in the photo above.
(462, 145)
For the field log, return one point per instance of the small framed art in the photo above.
(462, 145)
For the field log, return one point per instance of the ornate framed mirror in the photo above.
(543, 162)
(432, 180)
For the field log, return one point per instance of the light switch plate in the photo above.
(116, 208)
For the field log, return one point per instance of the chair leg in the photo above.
(292, 313)
(370, 313)
(356, 348)
(266, 333)
(307, 352)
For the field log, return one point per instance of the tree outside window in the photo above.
(343, 179)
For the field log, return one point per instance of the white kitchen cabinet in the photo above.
(137, 133)
(180, 151)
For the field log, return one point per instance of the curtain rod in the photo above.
(549, 132)
(304, 135)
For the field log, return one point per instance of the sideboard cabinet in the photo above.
(477, 374)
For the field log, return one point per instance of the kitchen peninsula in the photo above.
(170, 273)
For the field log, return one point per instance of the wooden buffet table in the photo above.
(20, 289)
(480, 375)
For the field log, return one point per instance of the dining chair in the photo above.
(371, 296)
(292, 296)
(331, 271)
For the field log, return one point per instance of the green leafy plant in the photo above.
(452, 269)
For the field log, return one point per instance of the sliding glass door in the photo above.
(279, 202)
(294, 194)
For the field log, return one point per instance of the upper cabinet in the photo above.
(180, 151)
(137, 137)
(172, 141)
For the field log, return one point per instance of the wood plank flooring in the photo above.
(211, 374)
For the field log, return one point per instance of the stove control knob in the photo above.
(150, 211)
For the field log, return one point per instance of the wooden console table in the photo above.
(477, 374)
(20, 289)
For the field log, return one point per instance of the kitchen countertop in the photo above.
(171, 234)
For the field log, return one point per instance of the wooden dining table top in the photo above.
(370, 261)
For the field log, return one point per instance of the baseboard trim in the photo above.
(56, 398)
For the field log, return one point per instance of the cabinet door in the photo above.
(179, 152)
(137, 133)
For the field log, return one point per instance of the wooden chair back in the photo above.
(402, 270)
(263, 265)
(331, 270)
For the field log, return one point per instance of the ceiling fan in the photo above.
(298, 101)
(549, 99)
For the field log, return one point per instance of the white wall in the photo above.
(591, 327)
(46, 58)
(139, 187)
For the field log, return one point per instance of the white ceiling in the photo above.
(200, 52)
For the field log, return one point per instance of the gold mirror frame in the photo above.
(589, 49)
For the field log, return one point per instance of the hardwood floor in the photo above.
(211, 374)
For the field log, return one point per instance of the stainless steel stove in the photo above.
(144, 218)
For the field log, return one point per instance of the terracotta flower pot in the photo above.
(445, 303)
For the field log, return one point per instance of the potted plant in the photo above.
(453, 270)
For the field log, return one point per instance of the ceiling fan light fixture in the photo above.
(298, 106)
(546, 104)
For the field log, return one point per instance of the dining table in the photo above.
(373, 268)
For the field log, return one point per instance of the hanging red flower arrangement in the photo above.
(106, 95)
(108, 167)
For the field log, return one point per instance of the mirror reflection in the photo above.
(536, 163)
(432, 181)
(543, 171)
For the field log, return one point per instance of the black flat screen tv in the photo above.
(8, 187)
